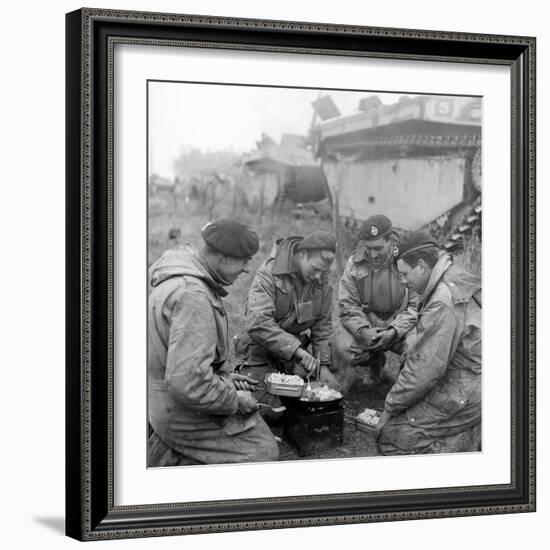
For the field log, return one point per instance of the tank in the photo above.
(286, 174)
(418, 161)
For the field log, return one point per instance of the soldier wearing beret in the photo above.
(289, 310)
(376, 310)
(199, 410)
(435, 404)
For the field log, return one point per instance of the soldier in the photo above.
(376, 310)
(435, 404)
(200, 411)
(289, 307)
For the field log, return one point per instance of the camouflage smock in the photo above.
(436, 400)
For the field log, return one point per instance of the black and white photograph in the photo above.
(270, 275)
(301, 275)
(313, 273)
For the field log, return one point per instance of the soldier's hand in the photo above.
(308, 361)
(243, 382)
(383, 339)
(367, 336)
(247, 403)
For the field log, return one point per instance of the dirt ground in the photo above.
(356, 443)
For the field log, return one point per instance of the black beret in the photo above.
(318, 240)
(375, 227)
(231, 238)
(415, 240)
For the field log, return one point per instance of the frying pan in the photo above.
(297, 404)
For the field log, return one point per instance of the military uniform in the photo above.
(435, 403)
(283, 313)
(369, 297)
(193, 404)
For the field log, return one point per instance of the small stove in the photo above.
(312, 427)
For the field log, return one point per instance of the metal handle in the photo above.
(318, 366)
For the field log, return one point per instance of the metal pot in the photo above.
(300, 405)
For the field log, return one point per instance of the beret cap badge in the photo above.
(375, 227)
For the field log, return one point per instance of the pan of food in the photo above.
(367, 420)
(284, 385)
(315, 397)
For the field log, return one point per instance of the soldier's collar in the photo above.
(443, 263)
(214, 280)
(360, 254)
(283, 260)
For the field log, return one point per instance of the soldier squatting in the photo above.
(403, 296)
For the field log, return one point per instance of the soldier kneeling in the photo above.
(289, 313)
(376, 311)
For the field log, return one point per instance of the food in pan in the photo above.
(370, 417)
(289, 379)
(289, 385)
(320, 393)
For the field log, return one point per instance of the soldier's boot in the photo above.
(371, 367)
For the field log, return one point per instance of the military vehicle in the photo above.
(418, 161)
(284, 175)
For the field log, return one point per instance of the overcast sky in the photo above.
(215, 117)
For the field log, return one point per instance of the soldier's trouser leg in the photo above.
(399, 437)
(256, 444)
(159, 454)
(348, 355)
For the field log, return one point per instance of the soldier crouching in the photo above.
(377, 312)
(289, 314)
(435, 404)
(200, 411)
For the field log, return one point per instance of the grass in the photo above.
(470, 257)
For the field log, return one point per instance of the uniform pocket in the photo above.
(448, 397)
(283, 300)
(304, 312)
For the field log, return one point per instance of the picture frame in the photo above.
(91, 327)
